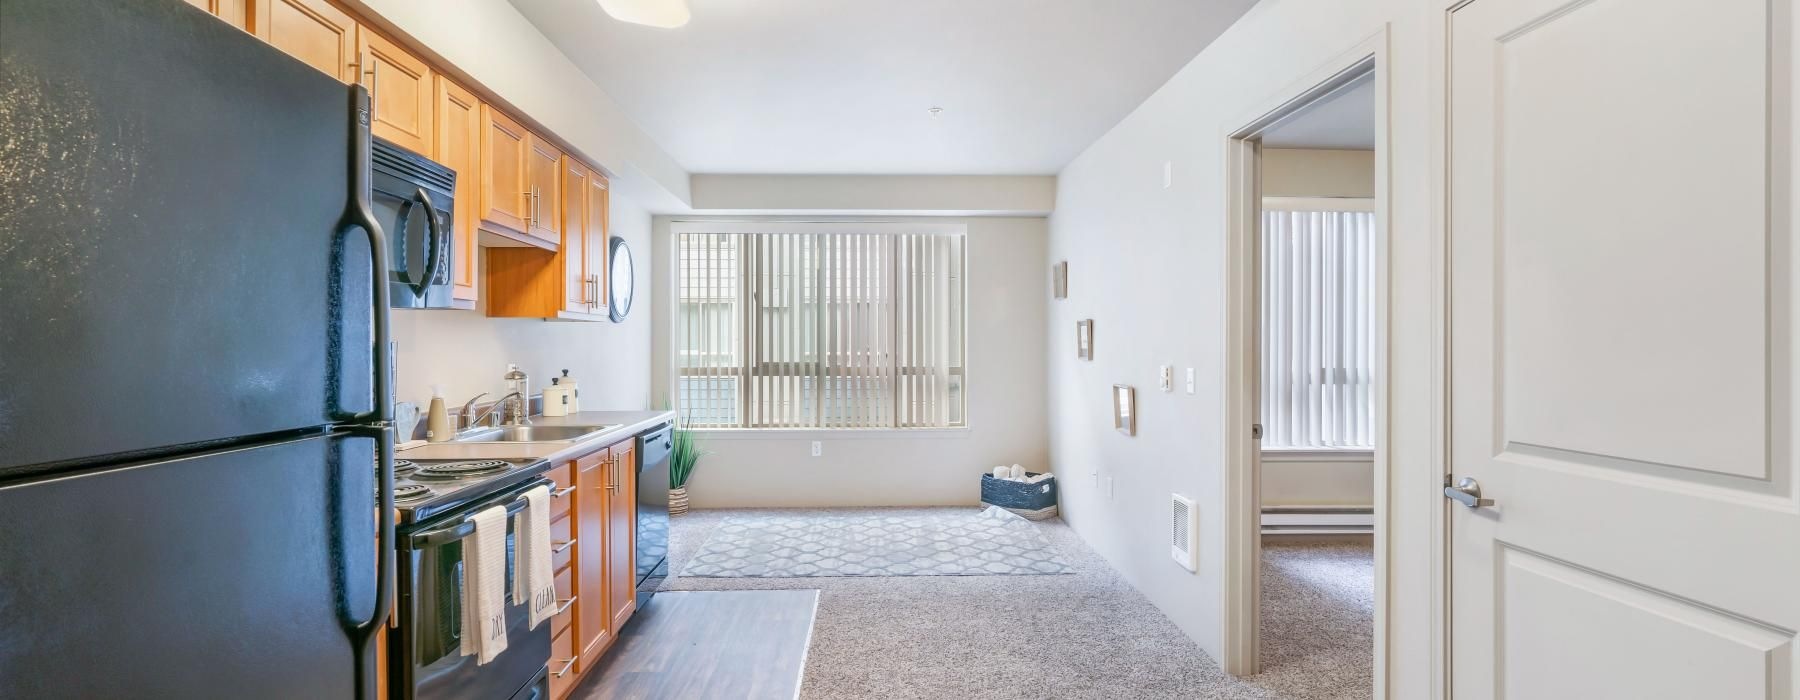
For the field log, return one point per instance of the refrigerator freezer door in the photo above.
(173, 257)
(223, 575)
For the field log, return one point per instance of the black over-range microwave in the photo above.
(413, 197)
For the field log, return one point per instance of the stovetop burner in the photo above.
(407, 493)
(460, 470)
(402, 467)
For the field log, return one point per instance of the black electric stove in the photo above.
(425, 488)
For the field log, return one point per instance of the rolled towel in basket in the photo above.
(1041, 477)
(1017, 473)
(1002, 472)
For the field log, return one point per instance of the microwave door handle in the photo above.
(437, 249)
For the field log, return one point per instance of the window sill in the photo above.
(1314, 454)
(959, 432)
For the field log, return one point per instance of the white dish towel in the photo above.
(484, 586)
(533, 579)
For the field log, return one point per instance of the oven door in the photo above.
(420, 250)
(427, 660)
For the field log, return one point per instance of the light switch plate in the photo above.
(818, 448)
(1190, 380)
(1167, 378)
(1109, 488)
(1168, 174)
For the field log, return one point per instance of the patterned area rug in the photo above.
(992, 542)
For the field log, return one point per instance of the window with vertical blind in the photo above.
(819, 326)
(1318, 270)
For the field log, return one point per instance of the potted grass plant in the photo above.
(684, 452)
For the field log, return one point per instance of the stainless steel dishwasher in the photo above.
(653, 509)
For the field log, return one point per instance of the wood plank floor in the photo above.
(709, 644)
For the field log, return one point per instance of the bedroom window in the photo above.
(820, 326)
(1318, 329)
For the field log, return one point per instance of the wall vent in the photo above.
(1184, 532)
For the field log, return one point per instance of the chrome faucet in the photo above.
(511, 412)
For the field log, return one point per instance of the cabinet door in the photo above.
(503, 184)
(599, 208)
(621, 531)
(457, 126)
(575, 216)
(311, 30)
(593, 614)
(399, 90)
(235, 12)
(543, 165)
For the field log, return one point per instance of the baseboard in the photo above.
(1318, 520)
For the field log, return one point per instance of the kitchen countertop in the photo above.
(629, 423)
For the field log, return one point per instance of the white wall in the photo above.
(1147, 263)
(1008, 286)
(490, 42)
(898, 195)
(467, 352)
(1317, 172)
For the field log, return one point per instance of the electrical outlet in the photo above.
(1190, 380)
(818, 448)
(1166, 379)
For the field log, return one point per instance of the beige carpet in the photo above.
(1085, 635)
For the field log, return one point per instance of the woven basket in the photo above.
(678, 501)
(1030, 501)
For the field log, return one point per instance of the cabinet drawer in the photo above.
(565, 592)
(560, 533)
(562, 664)
(562, 481)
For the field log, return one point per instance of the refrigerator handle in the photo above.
(359, 215)
(377, 423)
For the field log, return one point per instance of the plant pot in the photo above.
(678, 501)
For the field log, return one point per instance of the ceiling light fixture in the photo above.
(935, 111)
(666, 14)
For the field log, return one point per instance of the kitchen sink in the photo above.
(533, 433)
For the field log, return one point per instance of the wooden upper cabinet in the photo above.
(313, 31)
(593, 618)
(400, 90)
(458, 129)
(621, 533)
(543, 165)
(599, 241)
(504, 189)
(235, 12)
(577, 289)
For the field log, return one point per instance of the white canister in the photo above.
(556, 399)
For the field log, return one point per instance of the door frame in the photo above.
(1240, 622)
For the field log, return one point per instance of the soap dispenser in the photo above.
(437, 418)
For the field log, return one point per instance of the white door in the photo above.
(1622, 352)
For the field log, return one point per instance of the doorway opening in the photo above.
(1305, 465)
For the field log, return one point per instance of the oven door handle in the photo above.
(438, 537)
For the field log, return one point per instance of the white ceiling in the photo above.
(843, 86)
(1345, 119)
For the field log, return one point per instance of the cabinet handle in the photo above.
(559, 549)
(537, 206)
(374, 100)
(565, 669)
(564, 491)
(527, 195)
(560, 609)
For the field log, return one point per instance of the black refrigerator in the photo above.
(195, 403)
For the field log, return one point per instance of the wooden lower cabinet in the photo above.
(621, 531)
(601, 575)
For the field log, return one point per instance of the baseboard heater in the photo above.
(1318, 520)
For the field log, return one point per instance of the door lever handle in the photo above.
(1467, 492)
